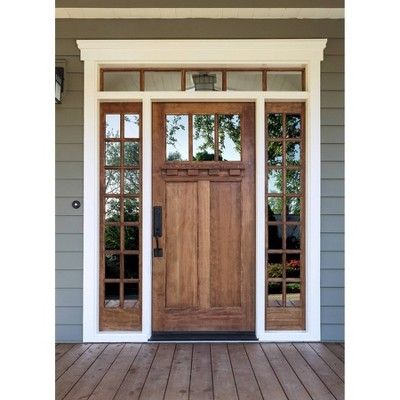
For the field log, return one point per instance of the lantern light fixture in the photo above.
(59, 84)
(204, 81)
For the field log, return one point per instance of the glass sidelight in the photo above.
(120, 216)
(285, 269)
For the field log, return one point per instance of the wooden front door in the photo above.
(203, 183)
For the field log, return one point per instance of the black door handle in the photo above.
(157, 229)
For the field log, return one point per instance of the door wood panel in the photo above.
(205, 279)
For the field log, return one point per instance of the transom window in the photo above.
(201, 79)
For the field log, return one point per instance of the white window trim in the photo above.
(306, 53)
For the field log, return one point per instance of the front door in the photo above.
(204, 217)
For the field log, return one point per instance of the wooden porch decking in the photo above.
(276, 371)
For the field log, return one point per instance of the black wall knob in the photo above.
(76, 204)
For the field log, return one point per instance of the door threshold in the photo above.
(202, 336)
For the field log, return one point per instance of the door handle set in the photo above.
(157, 230)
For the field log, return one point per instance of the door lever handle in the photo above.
(157, 229)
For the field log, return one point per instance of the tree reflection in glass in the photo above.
(112, 153)
(177, 136)
(112, 237)
(112, 125)
(275, 153)
(203, 137)
(293, 125)
(229, 137)
(112, 181)
(293, 182)
(275, 125)
(131, 126)
(112, 210)
(132, 182)
(131, 153)
(293, 153)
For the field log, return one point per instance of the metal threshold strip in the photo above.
(202, 336)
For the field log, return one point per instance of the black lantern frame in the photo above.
(59, 84)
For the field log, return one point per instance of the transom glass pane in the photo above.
(284, 80)
(191, 78)
(177, 136)
(162, 80)
(121, 81)
(244, 80)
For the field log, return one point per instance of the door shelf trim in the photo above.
(98, 53)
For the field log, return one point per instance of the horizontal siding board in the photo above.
(69, 188)
(330, 206)
(332, 241)
(332, 63)
(69, 134)
(68, 333)
(332, 99)
(332, 81)
(332, 134)
(332, 116)
(332, 224)
(69, 152)
(69, 170)
(332, 152)
(70, 98)
(69, 279)
(69, 297)
(71, 29)
(332, 169)
(332, 259)
(69, 242)
(332, 297)
(332, 332)
(332, 187)
(69, 224)
(64, 206)
(69, 316)
(69, 116)
(332, 278)
(69, 260)
(332, 315)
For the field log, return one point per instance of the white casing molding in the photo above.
(306, 53)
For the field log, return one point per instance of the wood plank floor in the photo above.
(251, 371)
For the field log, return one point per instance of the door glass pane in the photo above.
(274, 153)
(293, 125)
(177, 136)
(284, 80)
(112, 266)
(162, 80)
(275, 125)
(293, 237)
(203, 137)
(275, 294)
(275, 237)
(112, 125)
(244, 80)
(275, 181)
(229, 137)
(293, 294)
(293, 208)
(131, 266)
(113, 153)
(121, 81)
(274, 266)
(293, 153)
(293, 181)
(131, 238)
(131, 126)
(131, 294)
(112, 237)
(112, 210)
(131, 153)
(131, 182)
(112, 181)
(205, 80)
(131, 210)
(111, 295)
(275, 208)
(293, 266)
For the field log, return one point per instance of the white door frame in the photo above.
(245, 53)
